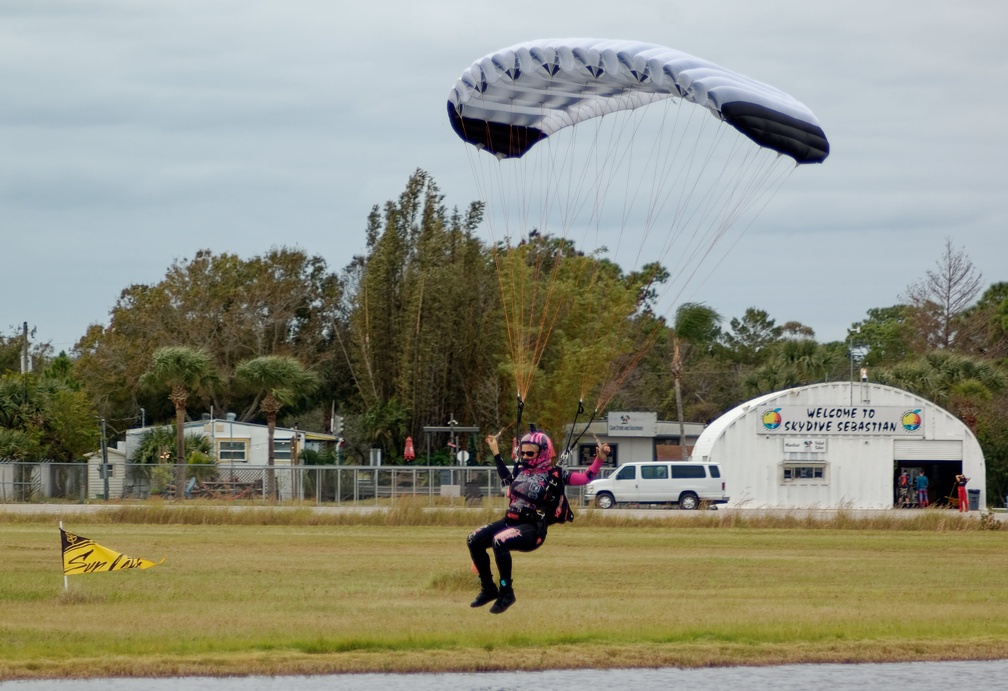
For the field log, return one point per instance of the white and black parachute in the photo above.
(513, 98)
(610, 146)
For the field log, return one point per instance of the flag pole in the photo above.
(66, 584)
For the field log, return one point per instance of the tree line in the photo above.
(414, 333)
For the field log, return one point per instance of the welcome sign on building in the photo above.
(842, 420)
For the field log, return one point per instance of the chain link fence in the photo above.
(24, 482)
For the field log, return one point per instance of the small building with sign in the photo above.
(634, 437)
(106, 480)
(841, 445)
(239, 449)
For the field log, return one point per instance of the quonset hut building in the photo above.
(839, 445)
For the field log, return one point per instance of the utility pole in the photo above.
(25, 361)
(850, 348)
(104, 458)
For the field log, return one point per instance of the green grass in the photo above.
(288, 591)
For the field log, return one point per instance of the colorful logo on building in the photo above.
(911, 420)
(772, 418)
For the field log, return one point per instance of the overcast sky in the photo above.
(136, 132)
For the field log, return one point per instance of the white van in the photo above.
(685, 484)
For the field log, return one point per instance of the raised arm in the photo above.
(583, 478)
(502, 470)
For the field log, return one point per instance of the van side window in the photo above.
(687, 472)
(654, 472)
(715, 471)
(627, 473)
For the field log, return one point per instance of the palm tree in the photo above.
(952, 380)
(793, 362)
(277, 380)
(693, 323)
(184, 371)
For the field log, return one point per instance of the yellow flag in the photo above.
(82, 555)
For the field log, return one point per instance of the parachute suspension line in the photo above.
(516, 443)
(756, 188)
(748, 183)
(756, 181)
(616, 157)
(620, 368)
(550, 312)
(569, 444)
(507, 293)
(613, 157)
(572, 443)
(521, 297)
(486, 176)
(664, 166)
(510, 276)
(530, 317)
(657, 170)
(694, 211)
(660, 167)
(505, 177)
(650, 329)
(704, 217)
(764, 196)
(649, 177)
(578, 190)
(570, 435)
(686, 210)
(541, 312)
(489, 175)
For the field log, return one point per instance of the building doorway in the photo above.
(941, 481)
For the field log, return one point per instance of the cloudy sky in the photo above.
(135, 132)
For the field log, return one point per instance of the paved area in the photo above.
(656, 513)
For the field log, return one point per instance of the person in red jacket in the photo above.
(961, 481)
(536, 499)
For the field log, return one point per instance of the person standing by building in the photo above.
(904, 489)
(961, 481)
(921, 484)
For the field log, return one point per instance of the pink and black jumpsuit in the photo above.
(523, 527)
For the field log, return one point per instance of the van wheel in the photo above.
(605, 501)
(688, 501)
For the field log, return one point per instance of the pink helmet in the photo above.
(546, 453)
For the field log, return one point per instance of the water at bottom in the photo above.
(916, 675)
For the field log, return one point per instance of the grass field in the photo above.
(266, 591)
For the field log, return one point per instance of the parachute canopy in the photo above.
(611, 195)
(513, 98)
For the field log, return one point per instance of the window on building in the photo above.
(232, 450)
(586, 454)
(803, 472)
(282, 449)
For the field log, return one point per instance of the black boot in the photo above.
(505, 599)
(488, 593)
